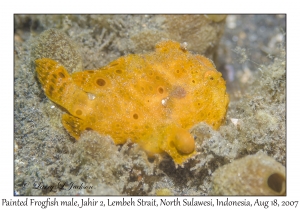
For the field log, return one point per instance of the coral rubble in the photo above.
(256, 174)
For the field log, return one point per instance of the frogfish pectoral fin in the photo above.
(180, 144)
(183, 141)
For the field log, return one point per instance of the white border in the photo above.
(153, 6)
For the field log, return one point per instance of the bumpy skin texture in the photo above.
(152, 99)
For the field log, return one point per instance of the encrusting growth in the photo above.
(256, 174)
(152, 99)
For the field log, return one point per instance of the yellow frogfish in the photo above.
(152, 99)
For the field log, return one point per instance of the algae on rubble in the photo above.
(57, 45)
(256, 174)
